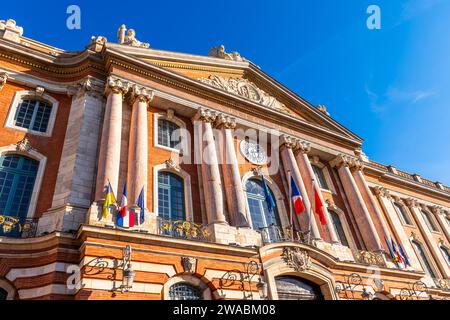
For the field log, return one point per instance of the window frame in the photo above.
(399, 206)
(429, 220)
(28, 94)
(446, 254)
(331, 211)
(315, 161)
(184, 144)
(12, 149)
(416, 243)
(169, 188)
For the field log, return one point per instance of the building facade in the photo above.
(209, 149)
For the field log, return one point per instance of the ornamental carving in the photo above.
(128, 37)
(189, 264)
(225, 121)
(289, 141)
(296, 258)
(219, 52)
(3, 78)
(245, 89)
(23, 145)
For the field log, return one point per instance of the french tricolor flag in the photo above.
(297, 199)
(125, 218)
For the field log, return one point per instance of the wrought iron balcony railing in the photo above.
(182, 230)
(15, 227)
(273, 234)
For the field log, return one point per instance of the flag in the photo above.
(402, 252)
(297, 198)
(268, 195)
(141, 204)
(110, 199)
(125, 218)
(391, 252)
(399, 259)
(318, 206)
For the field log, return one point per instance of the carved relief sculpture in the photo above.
(245, 89)
(189, 264)
(296, 258)
(219, 52)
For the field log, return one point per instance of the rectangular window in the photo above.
(33, 115)
(320, 177)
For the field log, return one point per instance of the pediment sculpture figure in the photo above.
(219, 52)
(128, 37)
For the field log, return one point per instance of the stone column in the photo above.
(357, 204)
(138, 146)
(109, 155)
(440, 215)
(212, 185)
(368, 196)
(306, 219)
(432, 244)
(234, 191)
(308, 175)
(385, 199)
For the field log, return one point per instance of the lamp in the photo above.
(128, 272)
(262, 289)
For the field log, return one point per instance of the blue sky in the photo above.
(389, 86)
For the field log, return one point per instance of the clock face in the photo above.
(253, 152)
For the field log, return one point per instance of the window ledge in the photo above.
(30, 131)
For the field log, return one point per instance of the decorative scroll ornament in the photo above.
(23, 145)
(3, 78)
(245, 89)
(296, 258)
(189, 264)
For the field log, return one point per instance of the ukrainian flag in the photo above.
(110, 199)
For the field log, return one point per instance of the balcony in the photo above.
(273, 234)
(182, 230)
(14, 227)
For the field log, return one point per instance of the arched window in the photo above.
(402, 213)
(445, 253)
(17, 177)
(429, 221)
(33, 114)
(320, 176)
(166, 131)
(292, 288)
(423, 259)
(171, 203)
(259, 212)
(184, 291)
(3, 294)
(338, 228)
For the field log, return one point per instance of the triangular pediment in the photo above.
(241, 79)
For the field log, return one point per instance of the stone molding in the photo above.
(9, 30)
(88, 85)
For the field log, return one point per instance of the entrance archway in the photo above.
(295, 288)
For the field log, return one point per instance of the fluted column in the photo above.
(306, 219)
(308, 175)
(432, 244)
(234, 191)
(109, 154)
(367, 194)
(385, 199)
(212, 185)
(357, 204)
(138, 144)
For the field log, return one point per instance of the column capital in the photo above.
(382, 192)
(303, 146)
(141, 94)
(205, 115)
(89, 85)
(117, 85)
(289, 142)
(225, 121)
(348, 161)
(437, 210)
(412, 203)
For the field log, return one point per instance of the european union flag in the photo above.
(268, 195)
(141, 204)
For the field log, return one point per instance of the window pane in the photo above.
(184, 291)
(446, 254)
(320, 177)
(42, 116)
(423, 259)
(24, 113)
(33, 114)
(3, 294)
(338, 228)
(402, 213)
(166, 131)
(428, 221)
(171, 203)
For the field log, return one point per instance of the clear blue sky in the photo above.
(389, 86)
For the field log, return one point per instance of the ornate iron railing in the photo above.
(273, 234)
(15, 227)
(242, 279)
(352, 284)
(183, 230)
(369, 258)
(415, 291)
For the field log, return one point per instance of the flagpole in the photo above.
(311, 210)
(291, 216)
